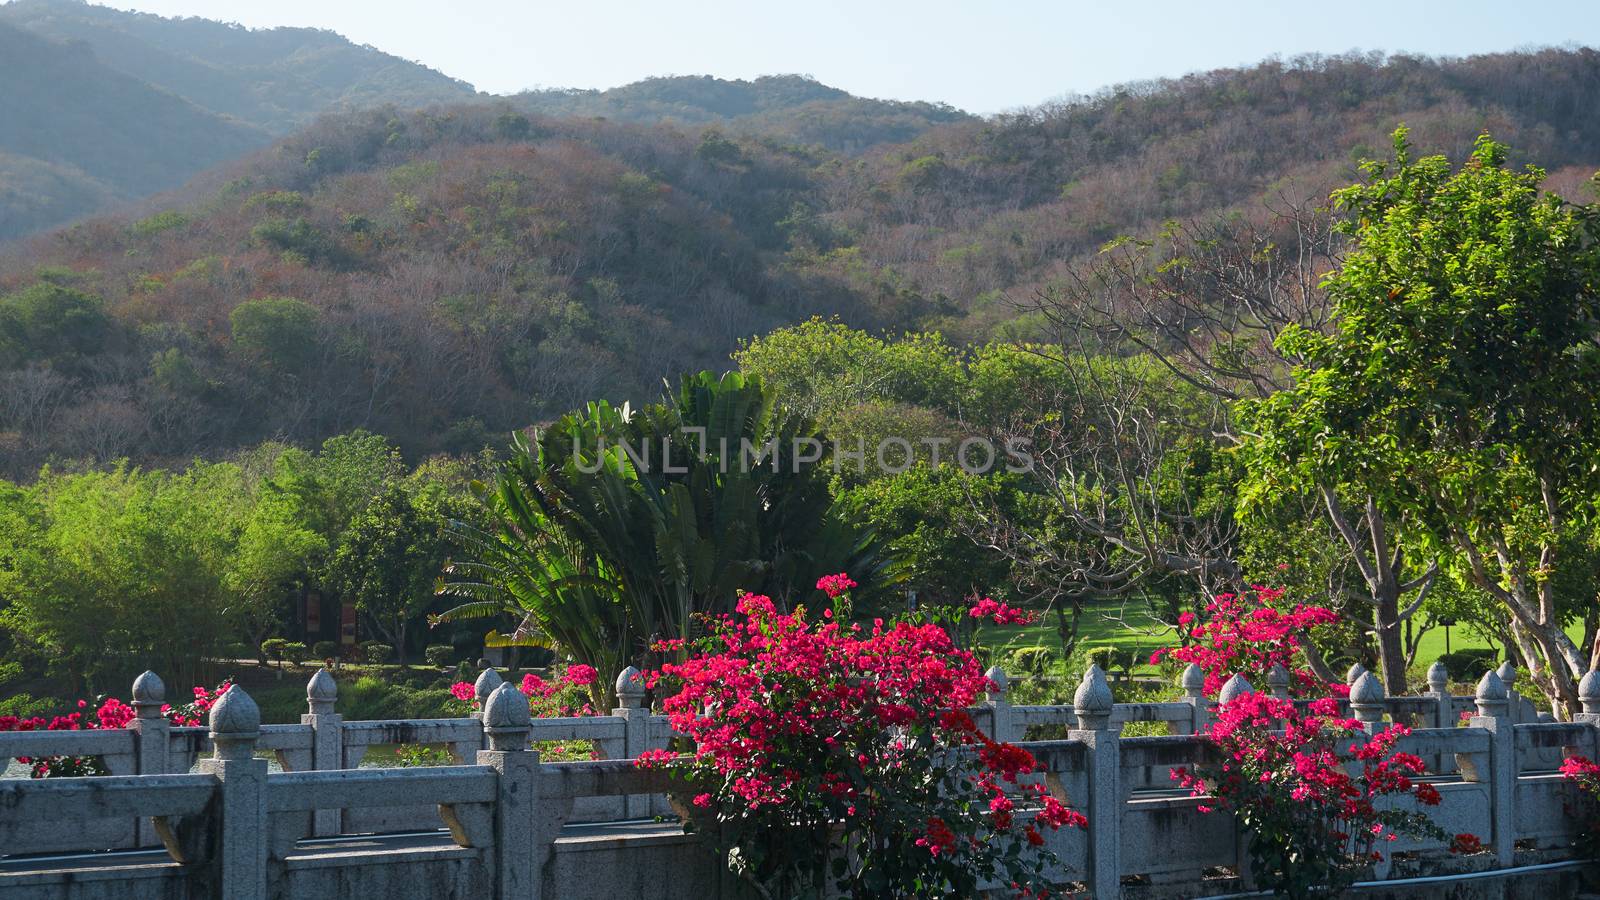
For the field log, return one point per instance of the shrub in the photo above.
(1306, 787)
(409, 756)
(1247, 633)
(1582, 773)
(1468, 665)
(274, 648)
(817, 736)
(376, 652)
(1032, 660)
(439, 655)
(295, 652)
(325, 650)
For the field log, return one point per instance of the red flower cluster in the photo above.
(1246, 633)
(834, 585)
(831, 725)
(111, 713)
(1306, 784)
(1000, 613)
(566, 695)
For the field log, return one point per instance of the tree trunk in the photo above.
(1391, 652)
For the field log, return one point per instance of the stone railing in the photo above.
(508, 825)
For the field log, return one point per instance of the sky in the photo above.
(983, 57)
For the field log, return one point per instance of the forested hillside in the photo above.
(276, 79)
(77, 135)
(444, 276)
(792, 108)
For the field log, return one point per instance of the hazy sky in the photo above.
(980, 56)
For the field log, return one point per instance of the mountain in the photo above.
(446, 275)
(77, 135)
(276, 79)
(789, 107)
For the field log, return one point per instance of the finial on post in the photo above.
(1193, 680)
(1278, 681)
(322, 692)
(1355, 671)
(235, 725)
(1589, 691)
(488, 682)
(1438, 678)
(1092, 701)
(1366, 701)
(630, 688)
(1492, 697)
(1236, 687)
(998, 683)
(149, 695)
(1508, 675)
(507, 718)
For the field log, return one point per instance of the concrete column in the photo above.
(1001, 727)
(152, 737)
(519, 841)
(327, 741)
(1092, 703)
(635, 732)
(1494, 717)
(1589, 696)
(1193, 681)
(239, 834)
(1366, 702)
(1444, 715)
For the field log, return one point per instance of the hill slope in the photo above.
(93, 134)
(276, 79)
(788, 107)
(444, 276)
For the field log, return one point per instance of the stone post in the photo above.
(488, 682)
(1508, 677)
(635, 732)
(1366, 702)
(1236, 687)
(1278, 681)
(327, 740)
(1000, 725)
(1092, 704)
(1193, 681)
(1494, 717)
(1589, 696)
(152, 738)
(1439, 689)
(519, 842)
(239, 833)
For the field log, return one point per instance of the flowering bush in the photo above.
(1247, 633)
(1000, 613)
(1585, 809)
(566, 695)
(1305, 785)
(817, 735)
(111, 713)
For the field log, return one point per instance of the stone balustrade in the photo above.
(502, 823)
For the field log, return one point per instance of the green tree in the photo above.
(49, 321)
(1466, 315)
(387, 562)
(612, 527)
(279, 333)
